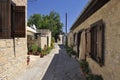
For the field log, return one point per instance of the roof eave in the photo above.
(91, 8)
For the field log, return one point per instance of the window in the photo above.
(12, 20)
(97, 41)
(19, 21)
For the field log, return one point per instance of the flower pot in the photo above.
(41, 55)
(30, 53)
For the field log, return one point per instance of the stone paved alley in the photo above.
(55, 66)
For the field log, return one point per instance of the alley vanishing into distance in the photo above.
(55, 66)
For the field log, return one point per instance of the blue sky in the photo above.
(73, 8)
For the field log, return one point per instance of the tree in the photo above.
(51, 22)
(35, 19)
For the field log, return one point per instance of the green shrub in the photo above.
(85, 68)
(48, 49)
(39, 49)
(73, 52)
(52, 42)
(94, 77)
(84, 65)
(70, 51)
(43, 52)
(34, 48)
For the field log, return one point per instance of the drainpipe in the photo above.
(13, 31)
(14, 44)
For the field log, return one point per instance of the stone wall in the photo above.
(20, 2)
(13, 54)
(60, 39)
(37, 41)
(45, 36)
(12, 59)
(43, 42)
(109, 13)
(70, 39)
(49, 38)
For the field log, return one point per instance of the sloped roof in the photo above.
(31, 30)
(43, 31)
(90, 9)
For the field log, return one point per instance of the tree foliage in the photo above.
(51, 22)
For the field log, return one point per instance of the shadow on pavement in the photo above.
(49, 75)
(61, 46)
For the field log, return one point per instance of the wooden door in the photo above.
(78, 43)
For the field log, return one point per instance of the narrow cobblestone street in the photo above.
(63, 67)
(55, 66)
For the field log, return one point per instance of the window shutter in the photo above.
(19, 21)
(100, 43)
(76, 38)
(93, 42)
(88, 41)
(5, 20)
(97, 42)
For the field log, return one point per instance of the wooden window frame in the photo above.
(97, 42)
(8, 22)
(19, 28)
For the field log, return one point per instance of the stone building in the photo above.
(45, 37)
(13, 42)
(31, 37)
(38, 37)
(60, 40)
(95, 37)
(70, 39)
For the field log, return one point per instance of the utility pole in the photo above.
(66, 23)
(66, 28)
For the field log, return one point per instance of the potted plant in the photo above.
(34, 48)
(38, 51)
(84, 67)
(30, 51)
(42, 53)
